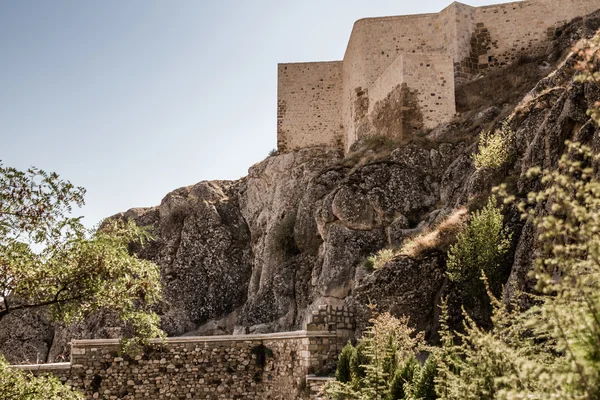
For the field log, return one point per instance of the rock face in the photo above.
(261, 253)
(405, 286)
(203, 248)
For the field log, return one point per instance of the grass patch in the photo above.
(379, 259)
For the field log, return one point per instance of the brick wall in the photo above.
(525, 28)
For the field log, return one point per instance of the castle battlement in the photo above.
(399, 73)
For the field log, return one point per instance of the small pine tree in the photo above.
(357, 364)
(343, 373)
(373, 367)
(424, 383)
(403, 378)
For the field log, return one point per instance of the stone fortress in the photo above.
(399, 73)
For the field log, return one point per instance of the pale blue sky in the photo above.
(134, 98)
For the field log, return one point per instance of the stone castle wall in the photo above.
(266, 366)
(309, 105)
(430, 77)
(504, 32)
(477, 39)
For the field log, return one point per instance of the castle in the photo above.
(404, 70)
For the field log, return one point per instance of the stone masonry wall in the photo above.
(430, 77)
(525, 27)
(375, 43)
(308, 109)
(476, 38)
(268, 366)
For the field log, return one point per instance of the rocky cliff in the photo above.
(259, 254)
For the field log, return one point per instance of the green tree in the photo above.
(423, 387)
(343, 372)
(387, 342)
(405, 374)
(49, 260)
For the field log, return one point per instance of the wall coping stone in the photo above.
(315, 378)
(220, 338)
(49, 366)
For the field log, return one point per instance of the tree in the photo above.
(386, 346)
(49, 260)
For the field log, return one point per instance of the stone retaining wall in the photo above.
(265, 366)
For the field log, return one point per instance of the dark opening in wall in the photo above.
(96, 383)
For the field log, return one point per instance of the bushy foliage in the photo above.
(386, 346)
(405, 375)
(17, 385)
(550, 351)
(357, 362)
(496, 149)
(343, 371)
(480, 247)
(423, 387)
(379, 259)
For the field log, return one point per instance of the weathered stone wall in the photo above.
(430, 80)
(308, 105)
(476, 38)
(523, 28)
(375, 43)
(266, 366)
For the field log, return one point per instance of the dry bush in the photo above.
(440, 237)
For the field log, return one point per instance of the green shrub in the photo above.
(403, 378)
(497, 149)
(552, 350)
(18, 385)
(385, 345)
(357, 362)
(482, 246)
(379, 259)
(424, 384)
(343, 371)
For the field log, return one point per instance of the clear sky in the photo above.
(134, 98)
